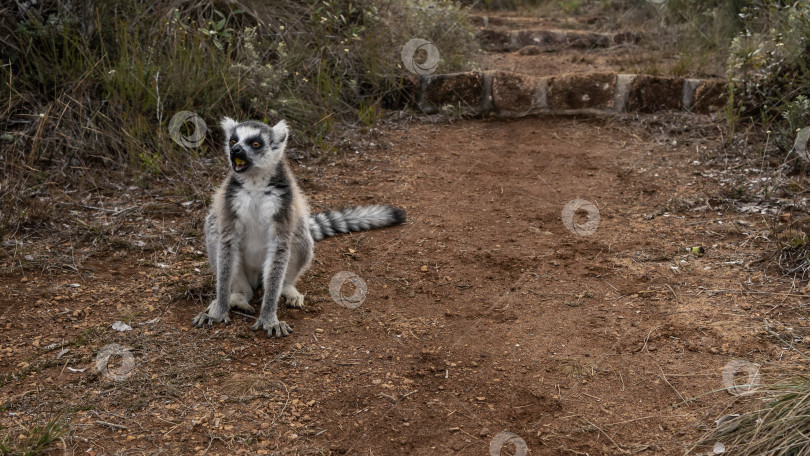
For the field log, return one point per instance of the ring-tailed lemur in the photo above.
(259, 231)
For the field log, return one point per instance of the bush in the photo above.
(769, 69)
(92, 84)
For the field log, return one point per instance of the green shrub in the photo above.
(769, 68)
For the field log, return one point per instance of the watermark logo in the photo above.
(197, 135)
(127, 362)
(336, 289)
(409, 52)
(504, 438)
(800, 145)
(740, 365)
(583, 229)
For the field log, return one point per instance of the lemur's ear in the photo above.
(280, 133)
(227, 124)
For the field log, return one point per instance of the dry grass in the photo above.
(779, 426)
(88, 92)
(576, 368)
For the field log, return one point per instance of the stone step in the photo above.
(551, 40)
(516, 95)
(488, 20)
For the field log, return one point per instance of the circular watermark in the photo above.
(127, 362)
(740, 365)
(409, 52)
(582, 229)
(800, 144)
(197, 135)
(504, 438)
(360, 289)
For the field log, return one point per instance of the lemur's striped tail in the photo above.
(359, 218)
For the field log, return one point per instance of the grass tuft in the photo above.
(33, 441)
(780, 426)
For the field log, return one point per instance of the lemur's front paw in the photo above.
(206, 319)
(274, 327)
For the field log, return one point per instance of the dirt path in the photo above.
(483, 315)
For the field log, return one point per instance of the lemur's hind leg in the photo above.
(300, 259)
(241, 291)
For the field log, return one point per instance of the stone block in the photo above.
(581, 91)
(710, 96)
(587, 40)
(544, 39)
(494, 40)
(459, 89)
(513, 92)
(655, 93)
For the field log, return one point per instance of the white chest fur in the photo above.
(255, 227)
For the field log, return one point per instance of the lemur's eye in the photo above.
(256, 144)
(232, 142)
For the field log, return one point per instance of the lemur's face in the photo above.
(253, 144)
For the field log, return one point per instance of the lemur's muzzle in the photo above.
(239, 159)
